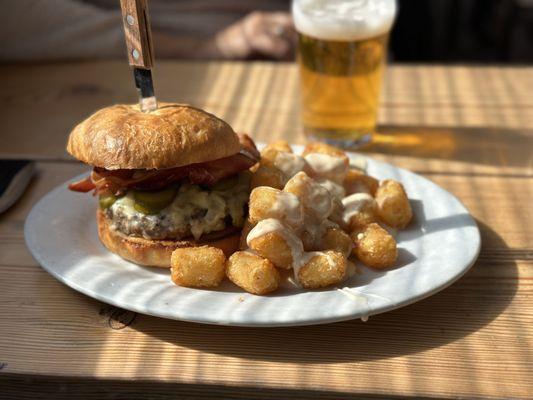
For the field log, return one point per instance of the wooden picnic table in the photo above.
(467, 128)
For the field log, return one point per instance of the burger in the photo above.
(174, 177)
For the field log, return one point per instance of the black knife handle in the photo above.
(15, 175)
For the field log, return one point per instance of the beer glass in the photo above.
(342, 47)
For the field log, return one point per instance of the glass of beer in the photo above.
(342, 47)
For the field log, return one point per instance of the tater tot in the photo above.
(324, 166)
(338, 240)
(265, 175)
(360, 210)
(322, 268)
(312, 232)
(248, 226)
(252, 273)
(358, 182)
(393, 207)
(308, 237)
(197, 266)
(325, 162)
(290, 164)
(274, 241)
(318, 147)
(267, 202)
(333, 188)
(337, 214)
(316, 200)
(375, 247)
(279, 145)
(268, 155)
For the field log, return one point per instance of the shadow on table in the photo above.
(52, 387)
(493, 146)
(452, 314)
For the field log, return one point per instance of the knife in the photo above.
(140, 51)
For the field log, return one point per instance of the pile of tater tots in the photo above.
(311, 217)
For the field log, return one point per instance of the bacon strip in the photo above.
(207, 173)
(214, 171)
(85, 185)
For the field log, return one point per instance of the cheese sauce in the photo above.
(358, 162)
(327, 167)
(354, 203)
(289, 164)
(270, 225)
(314, 231)
(333, 188)
(288, 206)
(315, 197)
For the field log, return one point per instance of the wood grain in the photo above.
(137, 33)
(467, 129)
(419, 123)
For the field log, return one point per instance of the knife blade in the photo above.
(138, 37)
(145, 88)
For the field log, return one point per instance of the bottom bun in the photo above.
(156, 253)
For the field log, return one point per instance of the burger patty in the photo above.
(195, 211)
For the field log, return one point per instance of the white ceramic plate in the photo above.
(439, 246)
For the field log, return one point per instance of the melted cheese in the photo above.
(354, 203)
(269, 225)
(333, 188)
(288, 205)
(289, 164)
(194, 211)
(324, 166)
(314, 197)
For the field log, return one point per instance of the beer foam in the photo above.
(343, 19)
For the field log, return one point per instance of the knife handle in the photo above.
(138, 33)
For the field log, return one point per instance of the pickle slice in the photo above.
(145, 210)
(106, 200)
(153, 202)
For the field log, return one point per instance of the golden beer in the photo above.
(340, 86)
(341, 67)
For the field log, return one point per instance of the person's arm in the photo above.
(267, 34)
(264, 34)
(37, 30)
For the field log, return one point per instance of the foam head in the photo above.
(343, 20)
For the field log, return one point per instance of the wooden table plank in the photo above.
(467, 129)
(261, 98)
(457, 343)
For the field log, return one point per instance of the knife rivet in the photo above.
(130, 19)
(135, 54)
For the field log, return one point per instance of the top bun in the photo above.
(123, 137)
